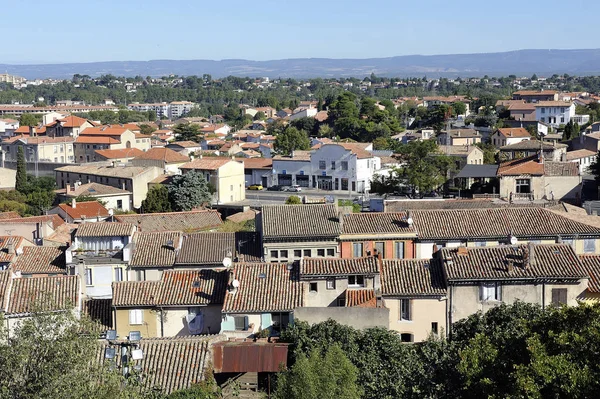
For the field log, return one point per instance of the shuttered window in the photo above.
(559, 296)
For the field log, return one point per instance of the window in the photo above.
(231, 187)
(480, 243)
(280, 321)
(340, 302)
(88, 276)
(356, 281)
(297, 253)
(274, 254)
(322, 165)
(321, 252)
(434, 327)
(240, 322)
(589, 245)
(283, 254)
(119, 204)
(118, 274)
(523, 186)
(562, 119)
(542, 119)
(562, 110)
(399, 250)
(344, 165)
(313, 287)
(405, 309)
(357, 249)
(405, 337)
(543, 110)
(559, 296)
(331, 284)
(307, 253)
(330, 252)
(490, 291)
(140, 275)
(136, 316)
(380, 248)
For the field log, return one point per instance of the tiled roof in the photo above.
(298, 155)
(174, 221)
(240, 217)
(95, 190)
(495, 223)
(258, 163)
(541, 261)
(412, 277)
(123, 172)
(72, 121)
(578, 154)
(460, 133)
(90, 210)
(5, 281)
(43, 293)
(40, 260)
(211, 248)
(192, 287)
(532, 145)
(9, 215)
(357, 148)
(5, 241)
(561, 168)
(457, 150)
(185, 144)
(104, 229)
(99, 311)
(529, 166)
(535, 92)
(517, 132)
(55, 220)
(154, 248)
(63, 235)
(163, 154)
(361, 297)
(402, 205)
(173, 364)
(591, 265)
(120, 153)
(96, 140)
(136, 293)
(338, 266)
(373, 223)
(209, 163)
(552, 104)
(103, 131)
(264, 287)
(300, 221)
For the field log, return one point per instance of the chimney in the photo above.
(341, 220)
(510, 132)
(139, 225)
(73, 203)
(531, 257)
(510, 265)
(68, 189)
(10, 248)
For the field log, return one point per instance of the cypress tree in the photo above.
(21, 180)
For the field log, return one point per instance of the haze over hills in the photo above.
(520, 62)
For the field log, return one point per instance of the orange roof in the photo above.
(72, 121)
(535, 93)
(90, 209)
(130, 126)
(211, 163)
(120, 153)
(524, 166)
(163, 154)
(103, 131)
(514, 132)
(22, 129)
(258, 163)
(142, 136)
(552, 104)
(96, 140)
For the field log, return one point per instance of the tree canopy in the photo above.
(157, 200)
(186, 132)
(291, 139)
(188, 191)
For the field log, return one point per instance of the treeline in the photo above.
(517, 351)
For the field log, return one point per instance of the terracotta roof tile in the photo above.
(41, 260)
(578, 154)
(174, 221)
(5, 281)
(258, 163)
(185, 144)
(156, 249)
(517, 132)
(533, 261)
(55, 220)
(104, 229)
(9, 215)
(43, 293)
(300, 221)
(193, 287)
(135, 293)
(210, 163)
(5, 241)
(310, 267)
(96, 140)
(591, 265)
(529, 166)
(210, 248)
(412, 277)
(373, 223)
(95, 190)
(361, 297)
(264, 287)
(163, 154)
(89, 209)
(120, 153)
(99, 311)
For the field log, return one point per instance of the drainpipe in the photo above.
(449, 311)
(543, 296)
(162, 324)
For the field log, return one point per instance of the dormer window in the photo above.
(356, 281)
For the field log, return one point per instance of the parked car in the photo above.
(275, 188)
(255, 187)
(295, 188)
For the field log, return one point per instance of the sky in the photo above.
(63, 31)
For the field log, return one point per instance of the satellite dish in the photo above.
(227, 262)
(410, 221)
(513, 240)
(235, 284)
(290, 266)
(111, 212)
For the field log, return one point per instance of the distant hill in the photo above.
(521, 62)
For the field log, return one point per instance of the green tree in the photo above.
(157, 200)
(423, 170)
(259, 116)
(147, 129)
(29, 120)
(21, 178)
(489, 152)
(293, 200)
(188, 191)
(291, 139)
(318, 376)
(459, 108)
(186, 131)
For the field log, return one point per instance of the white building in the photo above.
(305, 113)
(8, 127)
(554, 113)
(179, 108)
(161, 109)
(584, 158)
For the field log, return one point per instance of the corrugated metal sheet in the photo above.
(245, 357)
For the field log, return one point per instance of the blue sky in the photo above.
(110, 30)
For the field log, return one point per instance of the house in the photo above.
(100, 254)
(225, 174)
(523, 112)
(389, 235)
(293, 169)
(591, 266)
(188, 222)
(40, 149)
(258, 171)
(480, 279)
(122, 155)
(111, 197)
(152, 253)
(292, 232)
(10, 246)
(463, 154)
(508, 136)
(584, 158)
(552, 151)
(184, 147)
(414, 291)
(8, 127)
(33, 261)
(107, 138)
(70, 126)
(487, 227)
(210, 250)
(534, 179)
(90, 211)
(164, 158)
(459, 137)
(304, 112)
(554, 113)
(34, 228)
(134, 179)
(259, 297)
(181, 303)
(534, 96)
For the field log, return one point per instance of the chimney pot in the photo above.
(73, 203)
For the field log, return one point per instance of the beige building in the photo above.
(459, 137)
(107, 138)
(111, 197)
(40, 149)
(480, 279)
(70, 126)
(464, 154)
(164, 158)
(415, 293)
(225, 174)
(134, 179)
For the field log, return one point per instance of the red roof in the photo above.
(88, 209)
(103, 131)
(73, 121)
(163, 154)
(514, 132)
(96, 140)
(120, 153)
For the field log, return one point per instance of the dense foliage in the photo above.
(517, 351)
(188, 191)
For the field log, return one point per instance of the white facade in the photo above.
(161, 109)
(554, 113)
(305, 113)
(179, 108)
(8, 127)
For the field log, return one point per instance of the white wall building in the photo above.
(554, 113)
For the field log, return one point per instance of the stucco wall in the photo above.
(230, 183)
(328, 298)
(423, 312)
(355, 317)
(291, 246)
(346, 248)
(149, 327)
(175, 322)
